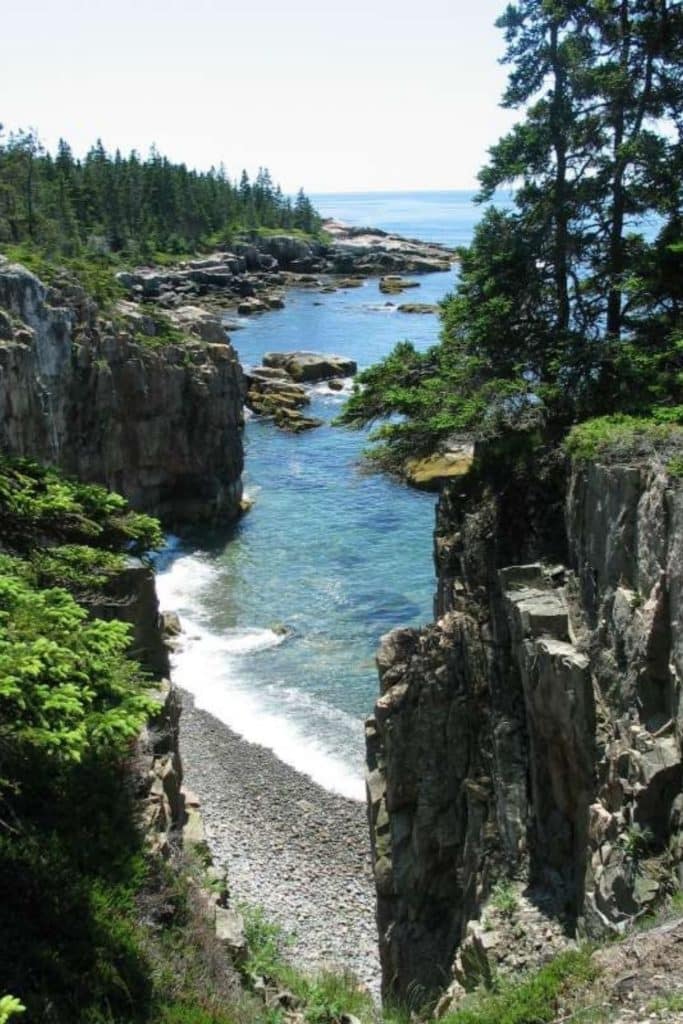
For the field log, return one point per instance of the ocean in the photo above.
(283, 614)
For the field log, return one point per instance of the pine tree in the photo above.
(564, 305)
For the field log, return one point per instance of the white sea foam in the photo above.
(214, 668)
(323, 390)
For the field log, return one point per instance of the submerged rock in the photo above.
(417, 307)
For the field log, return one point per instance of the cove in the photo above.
(332, 553)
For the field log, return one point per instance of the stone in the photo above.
(417, 307)
(535, 723)
(230, 933)
(162, 424)
(393, 284)
(429, 473)
(310, 366)
(5, 326)
(171, 624)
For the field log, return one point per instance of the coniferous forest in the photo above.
(131, 205)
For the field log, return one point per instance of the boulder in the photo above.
(417, 307)
(311, 366)
(429, 473)
(230, 933)
(250, 305)
(393, 284)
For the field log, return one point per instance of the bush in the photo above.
(533, 1000)
(623, 437)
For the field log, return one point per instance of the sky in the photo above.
(331, 95)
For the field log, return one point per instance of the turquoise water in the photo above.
(336, 556)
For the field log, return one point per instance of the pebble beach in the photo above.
(288, 845)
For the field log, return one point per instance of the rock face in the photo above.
(158, 422)
(534, 731)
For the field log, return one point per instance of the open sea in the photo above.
(336, 556)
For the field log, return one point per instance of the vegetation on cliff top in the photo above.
(569, 305)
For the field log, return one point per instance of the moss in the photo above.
(622, 436)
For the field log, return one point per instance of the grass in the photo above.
(669, 1004)
(623, 436)
(323, 997)
(534, 1000)
(94, 272)
(504, 899)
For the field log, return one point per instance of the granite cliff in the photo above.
(531, 737)
(107, 401)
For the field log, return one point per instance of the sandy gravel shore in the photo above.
(300, 852)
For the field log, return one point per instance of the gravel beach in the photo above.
(289, 845)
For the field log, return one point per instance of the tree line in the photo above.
(569, 304)
(127, 204)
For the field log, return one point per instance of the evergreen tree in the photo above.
(564, 301)
(125, 204)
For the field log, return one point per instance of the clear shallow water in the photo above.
(336, 556)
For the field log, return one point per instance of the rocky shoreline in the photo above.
(288, 845)
(252, 274)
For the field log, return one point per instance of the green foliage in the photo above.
(94, 272)
(666, 1004)
(623, 436)
(637, 842)
(329, 995)
(504, 899)
(564, 307)
(266, 942)
(108, 208)
(9, 1006)
(533, 1000)
(38, 505)
(66, 685)
(325, 996)
(80, 569)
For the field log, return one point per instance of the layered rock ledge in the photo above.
(156, 418)
(531, 737)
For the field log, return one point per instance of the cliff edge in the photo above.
(158, 420)
(526, 747)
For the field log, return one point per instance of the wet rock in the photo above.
(311, 366)
(393, 284)
(417, 307)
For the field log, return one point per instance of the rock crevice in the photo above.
(533, 732)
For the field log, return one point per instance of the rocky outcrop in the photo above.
(394, 284)
(271, 392)
(533, 733)
(157, 420)
(310, 366)
(278, 388)
(251, 276)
